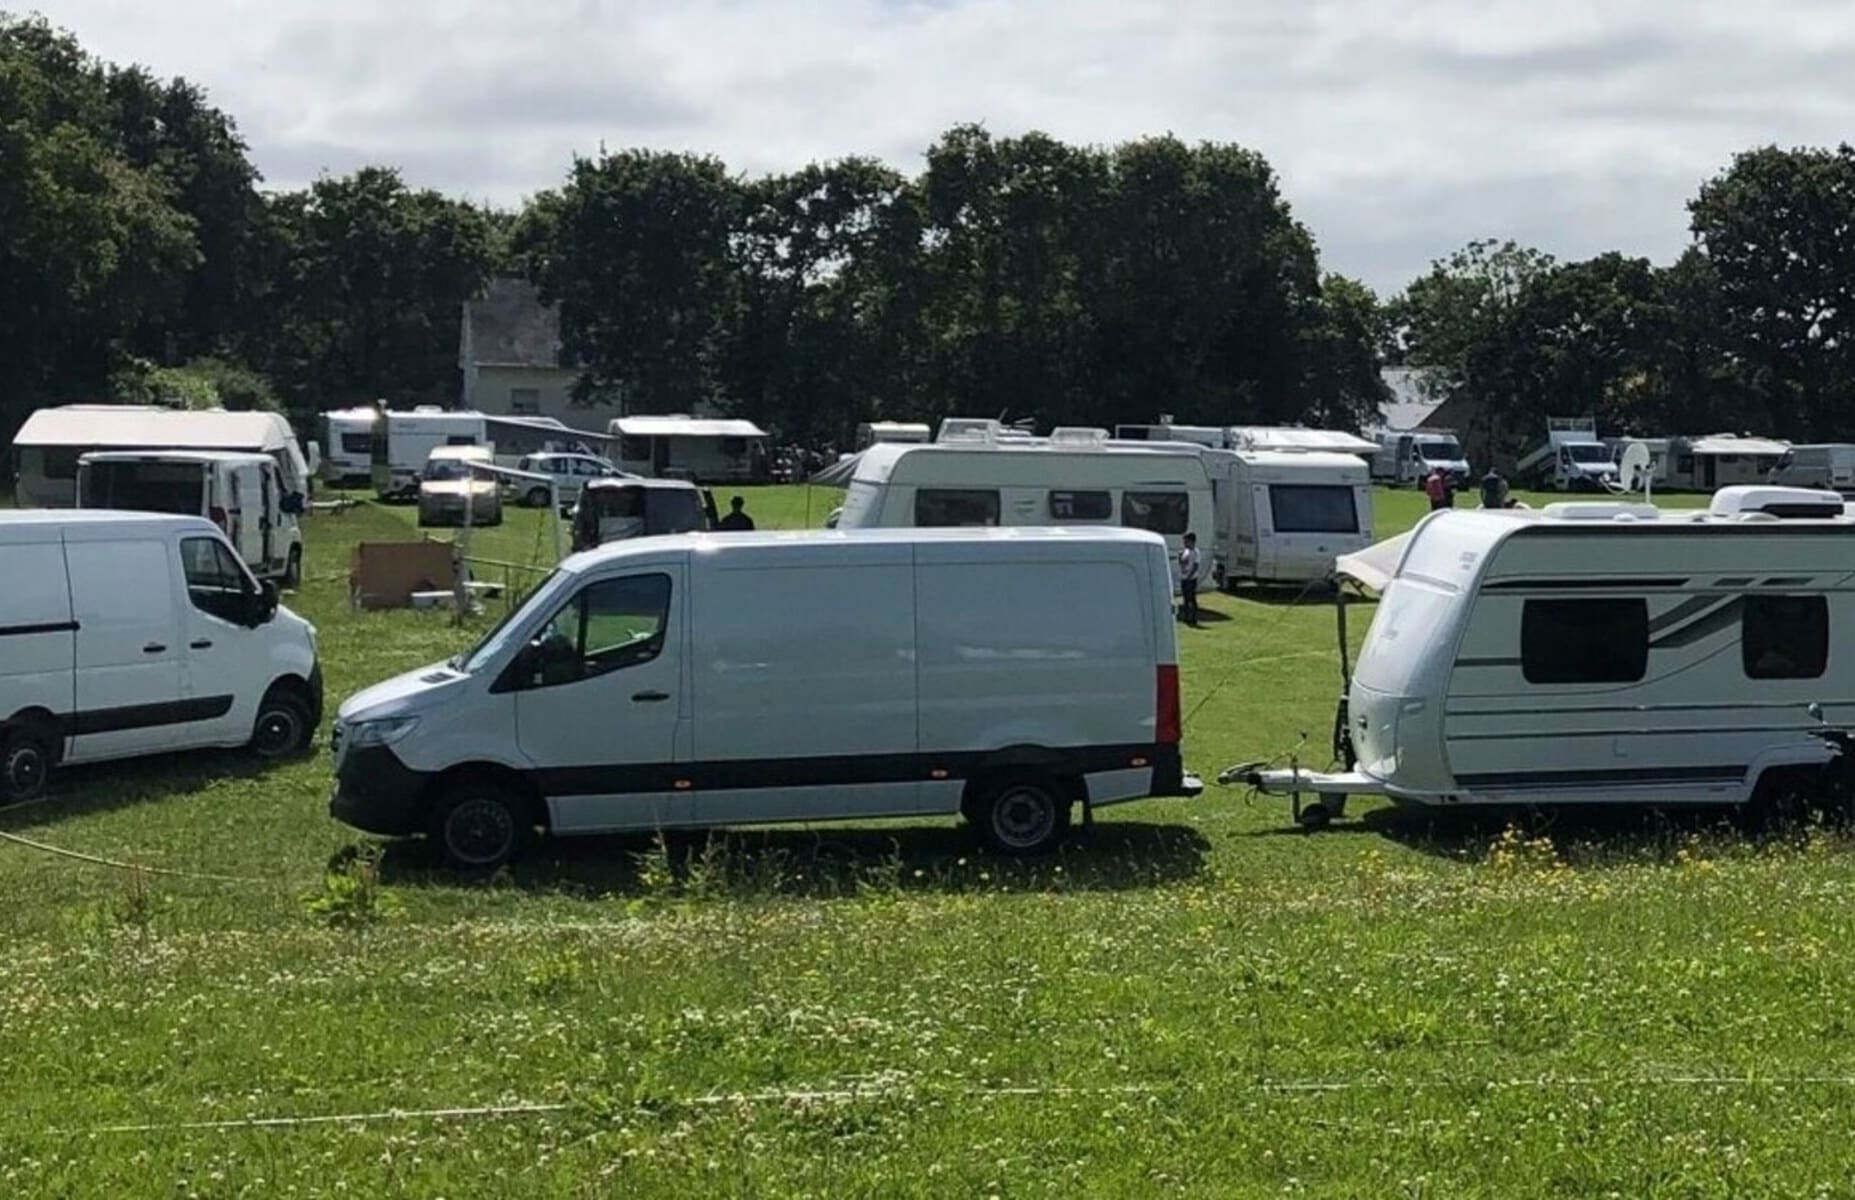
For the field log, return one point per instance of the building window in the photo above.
(1313, 508)
(1081, 506)
(955, 506)
(525, 400)
(1584, 641)
(1784, 637)
(1167, 513)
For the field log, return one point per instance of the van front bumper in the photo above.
(376, 792)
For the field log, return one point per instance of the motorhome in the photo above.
(871, 432)
(1285, 516)
(48, 445)
(724, 679)
(1819, 465)
(1596, 653)
(452, 493)
(243, 494)
(1705, 464)
(1409, 458)
(141, 633)
(699, 449)
(1571, 459)
(611, 510)
(348, 445)
(1062, 480)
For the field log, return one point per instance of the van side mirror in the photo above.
(263, 603)
(291, 504)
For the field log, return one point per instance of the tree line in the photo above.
(141, 259)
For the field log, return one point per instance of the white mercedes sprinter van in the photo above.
(138, 633)
(723, 679)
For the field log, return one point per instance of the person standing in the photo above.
(1436, 487)
(1493, 490)
(737, 520)
(1188, 580)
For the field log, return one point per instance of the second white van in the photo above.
(243, 494)
(135, 633)
(727, 679)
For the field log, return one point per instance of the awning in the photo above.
(839, 473)
(1376, 566)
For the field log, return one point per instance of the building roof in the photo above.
(1410, 404)
(679, 426)
(510, 327)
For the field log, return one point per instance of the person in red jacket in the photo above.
(1436, 486)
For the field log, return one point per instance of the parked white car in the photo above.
(570, 473)
(243, 494)
(136, 633)
(700, 680)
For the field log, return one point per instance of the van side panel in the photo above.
(129, 694)
(804, 683)
(37, 634)
(1054, 653)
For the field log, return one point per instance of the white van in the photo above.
(243, 494)
(729, 679)
(1821, 465)
(1410, 457)
(1284, 516)
(136, 633)
(1077, 482)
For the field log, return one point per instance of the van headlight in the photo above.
(380, 733)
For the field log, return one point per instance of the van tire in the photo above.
(1021, 814)
(480, 824)
(536, 498)
(282, 727)
(26, 757)
(293, 569)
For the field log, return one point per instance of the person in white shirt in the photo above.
(1188, 580)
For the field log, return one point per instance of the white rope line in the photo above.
(97, 860)
(878, 1090)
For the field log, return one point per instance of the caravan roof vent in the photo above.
(1779, 502)
(968, 429)
(1599, 510)
(1078, 435)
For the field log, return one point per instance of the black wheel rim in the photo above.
(1023, 816)
(278, 731)
(479, 831)
(25, 770)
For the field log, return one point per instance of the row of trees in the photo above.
(139, 258)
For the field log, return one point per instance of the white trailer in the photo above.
(699, 449)
(1572, 458)
(48, 445)
(1595, 653)
(871, 432)
(348, 445)
(1704, 464)
(1285, 516)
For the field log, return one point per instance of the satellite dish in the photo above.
(1633, 470)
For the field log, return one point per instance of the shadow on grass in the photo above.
(1319, 595)
(827, 863)
(1584, 835)
(104, 787)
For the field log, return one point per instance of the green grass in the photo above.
(1190, 999)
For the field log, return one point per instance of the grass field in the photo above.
(1191, 999)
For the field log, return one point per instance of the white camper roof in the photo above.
(1312, 459)
(1730, 443)
(134, 427)
(690, 427)
(235, 457)
(996, 461)
(1259, 437)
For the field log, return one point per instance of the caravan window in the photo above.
(357, 443)
(634, 449)
(1784, 637)
(955, 506)
(1584, 641)
(1158, 512)
(1313, 508)
(1081, 506)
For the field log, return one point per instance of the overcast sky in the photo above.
(1400, 128)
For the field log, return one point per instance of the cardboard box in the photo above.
(385, 574)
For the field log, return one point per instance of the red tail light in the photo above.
(217, 515)
(1167, 709)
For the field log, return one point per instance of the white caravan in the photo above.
(1572, 459)
(1057, 481)
(348, 445)
(731, 679)
(1296, 437)
(404, 441)
(138, 633)
(1596, 653)
(48, 445)
(1217, 437)
(1410, 457)
(243, 494)
(871, 432)
(699, 449)
(1820, 465)
(1704, 464)
(1284, 516)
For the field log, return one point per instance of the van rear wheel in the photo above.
(480, 824)
(1022, 815)
(293, 569)
(25, 764)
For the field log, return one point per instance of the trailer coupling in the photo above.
(1326, 791)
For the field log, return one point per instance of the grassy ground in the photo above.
(1190, 1000)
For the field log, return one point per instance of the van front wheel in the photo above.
(282, 728)
(1022, 815)
(480, 825)
(25, 762)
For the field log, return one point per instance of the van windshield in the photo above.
(1444, 450)
(1588, 452)
(493, 642)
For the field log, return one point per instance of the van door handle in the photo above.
(202, 644)
(649, 697)
(154, 648)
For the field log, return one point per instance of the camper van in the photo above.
(141, 633)
(1596, 653)
(1409, 458)
(348, 445)
(1822, 465)
(48, 445)
(737, 679)
(699, 449)
(1054, 481)
(611, 510)
(871, 432)
(1284, 516)
(243, 494)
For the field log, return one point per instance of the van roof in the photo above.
(198, 456)
(44, 518)
(798, 538)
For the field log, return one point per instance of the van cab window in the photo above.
(216, 582)
(608, 625)
(1157, 512)
(955, 506)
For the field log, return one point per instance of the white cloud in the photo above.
(1401, 128)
